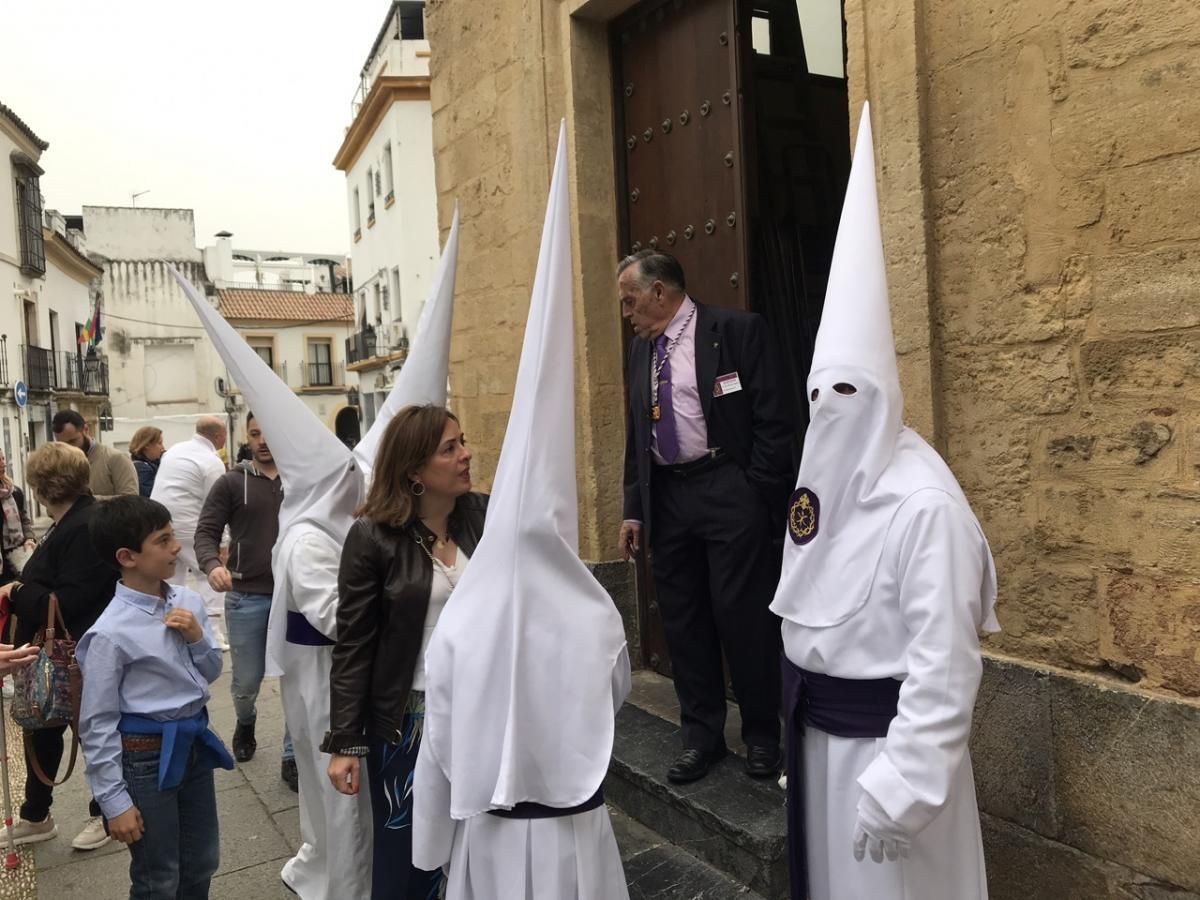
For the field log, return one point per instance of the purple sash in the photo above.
(845, 707)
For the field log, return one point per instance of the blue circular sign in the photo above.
(21, 393)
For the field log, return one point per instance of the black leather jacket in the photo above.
(383, 595)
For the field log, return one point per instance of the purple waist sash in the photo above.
(845, 707)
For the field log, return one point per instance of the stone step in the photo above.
(732, 823)
(657, 869)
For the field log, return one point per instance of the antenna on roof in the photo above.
(133, 197)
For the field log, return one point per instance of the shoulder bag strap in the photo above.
(37, 766)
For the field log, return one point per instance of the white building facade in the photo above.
(49, 294)
(302, 338)
(387, 155)
(162, 368)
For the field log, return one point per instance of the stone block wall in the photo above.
(1062, 165)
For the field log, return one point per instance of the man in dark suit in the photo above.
(707, 473)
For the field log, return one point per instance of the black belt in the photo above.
(710, 460)
(299, 631)
(845, 707)
(539, 811)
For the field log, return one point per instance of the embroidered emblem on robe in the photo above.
(804, 516)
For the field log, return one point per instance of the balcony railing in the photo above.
(324, 375)
(39, 368)
(82, 374)
(361, 346)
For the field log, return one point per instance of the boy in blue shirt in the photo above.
(147, 664)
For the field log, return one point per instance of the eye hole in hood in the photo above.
(844, 387)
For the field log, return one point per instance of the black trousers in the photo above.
(48, 744)
(716, 564)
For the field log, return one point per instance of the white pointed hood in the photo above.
(860, 462)
(321, 483)
(519, 697)
(422, 378)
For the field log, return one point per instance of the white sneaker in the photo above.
(92, 837)
(24, 832)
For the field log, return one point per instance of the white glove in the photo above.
(875, 833)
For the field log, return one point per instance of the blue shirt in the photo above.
(134, 664)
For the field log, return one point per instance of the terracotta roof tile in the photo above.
(22, 127)
(281, 306)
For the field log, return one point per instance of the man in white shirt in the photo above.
(186, 474)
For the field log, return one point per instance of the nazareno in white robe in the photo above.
(334, 859)
(492, 858)
(919, 624)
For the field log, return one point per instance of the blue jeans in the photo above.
(179, 851)
(246, 623)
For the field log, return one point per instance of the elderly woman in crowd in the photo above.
(146, 448)
(402, 558)
(16, 526)
(64, 564)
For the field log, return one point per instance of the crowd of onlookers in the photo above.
(69, 478)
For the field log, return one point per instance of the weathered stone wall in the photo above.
(1062, 164)
(499, 90)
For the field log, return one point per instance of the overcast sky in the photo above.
(234, 109)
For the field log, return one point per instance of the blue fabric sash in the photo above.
(845, 707)
(300, 631)
(178, 738)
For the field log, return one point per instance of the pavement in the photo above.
(260, 822)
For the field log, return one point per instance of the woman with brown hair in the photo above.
(403, 556)
(146, 448)
(66, 565)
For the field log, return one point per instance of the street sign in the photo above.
(21, 393)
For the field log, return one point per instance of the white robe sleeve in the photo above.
(622, 679)
(312, 580)
(941, 566)
(433, 827)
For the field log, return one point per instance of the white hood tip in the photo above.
(423, 377)
(320, 481)
(519, 671)
(856, 322)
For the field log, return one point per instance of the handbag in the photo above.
(48, 692)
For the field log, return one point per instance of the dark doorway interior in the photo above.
(346, 426)
(732, 153)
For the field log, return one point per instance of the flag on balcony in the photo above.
(90, 333)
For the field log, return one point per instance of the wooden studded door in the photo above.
(680, 178)
(680, 165)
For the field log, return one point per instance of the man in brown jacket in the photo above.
(112, 471)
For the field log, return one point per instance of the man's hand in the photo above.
(220, 580)
(185, 623)
(343, 773)
(127, 827)
(6, 589)
(630, 540)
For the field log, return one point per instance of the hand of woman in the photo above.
(343, 772)
(13, 659)
(31, 545)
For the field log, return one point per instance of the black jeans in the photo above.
(47, 744)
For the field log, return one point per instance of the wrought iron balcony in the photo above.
(40, 372)
(361, 346)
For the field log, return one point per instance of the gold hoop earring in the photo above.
(413, 487)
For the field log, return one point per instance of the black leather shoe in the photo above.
(287, 771)
(244, 744)
(692, 765)
(763, 761)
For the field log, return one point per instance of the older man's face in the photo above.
(643, 305)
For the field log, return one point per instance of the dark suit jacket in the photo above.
(753, 425)
(66, 564)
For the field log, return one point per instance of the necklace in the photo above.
(656, 369)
